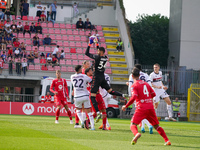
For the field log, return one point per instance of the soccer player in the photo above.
(100, 103)
(81, 94)
(142, 93)
(144, 77)
(106, 97)
(98, 76)
(159, 88)
(60, 89)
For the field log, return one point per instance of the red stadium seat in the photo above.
(66, 50)
(56, 25)
(81, 32)
(67, 56)
(102, 39)
(68, 26)
(36, 18)
(58, 37)
(57, 67)
(51, 31)
(31, 67)
(41, 48)
(45, 31)
(27, 35)
(80, 57)
(74, 56)
(37, 67)
(60, 43)
(24, 18)
(75, 32)
(44, 68)
(77, 38)
(30, 18)
(71, 38)
(66, 44)
(50, 68)
(84, 44)
(28, 42)
(50, 25)
(63, 69)
(62, 62)
(70, 69)
(99, 27)
(83, 38)
(80, 62)
(43, 61)
(52, 37)
(20, 35)
(62, 26)
(28, 48)
(73, 26)
(72, 44)
(74, 62)
(37, 61)
(47, 49)
(13, 17)
(72, 50)
(79, 50)
(57, 31)
(63, 31)
(108, 71)
(69, 32)
(68, 62)
(65, 38)
(43, 25)
(78, 44)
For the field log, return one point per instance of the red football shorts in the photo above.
(148, 114)
(100, 101)
(60, 100)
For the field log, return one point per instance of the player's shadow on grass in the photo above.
(186, 146)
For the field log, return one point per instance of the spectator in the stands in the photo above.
(54, 61)
(32, 28)
(119, 44)
(48, 98)
(7, 24)
(1, 65)
(25, 8)
(62, 55)
(1, 24)
(39, 9)
(47, 40)
(88, 37)
(9, 44)
(36, 41)
(27, 28)
(9, 31)
(49, 60)
(43, 17)
(22, 46)
(23, 53)
(80, 24)
(3, 56)
(19, 27)
(8, 38)
(17, 53)
(8, 14)
(3, 30)
(21, 7)
(38, 28)
(1, 14)
(35, 53)
(10, 52)
(18, 67)
(96, 34)
(88, 24)
(14, 27)
(3, 44)
(11, 66)
(16, 43)
(55, 51)
(24, 66)
(75, 7)
(45, 11)
(30, 58)
(53, 9)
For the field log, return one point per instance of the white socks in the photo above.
(91, 120)
(79, 114)
(170, 112)
(107, 124)
(84, 116)
(146, 122)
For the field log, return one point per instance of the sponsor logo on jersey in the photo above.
(60, 87)
(28, 109)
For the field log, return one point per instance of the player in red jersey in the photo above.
(100, 102)
(60, 89)
(143, 94)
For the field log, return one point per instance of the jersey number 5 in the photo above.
(145, 91)
(77, 81)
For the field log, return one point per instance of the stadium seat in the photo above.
(62, 26)
(66, 44)
(80, 62)
(79, 50)
(62, 62)
(31, 67)
(56, 25)
(68, 26)
(100, 33)
(103, 45)
(57, 67)
(27, 35)
(108, 64)
(72, 44)
(43, 25)
(43, 61)
(81, 32)
(58, 37)
(70, 69)
(74, 62)
(86, 57)
(67, 56)
(102, 39)
(45, 31)
(84, 44)
(99, 27)
(50, 25)
(18, 17)
(75, 32)
(47, 49)
(13, 17)
(73, 26)
(80, 57)
(20, 35)
(92, 51)
(30, 18)
(52, 37)
(15, 34)
(28, 48)
(71, 38)
(83, 38)
(60, 43)
(36, 18)
(24, 18)
(108, 71)
(44, 68)
(68, 62)
(78, 44)
(41, 48)
(51, 31)
(50, 68)
(28, 42)
(40, 36)
(74, 56)
(77, 38)
(72, 50)
(65, 38)
(37, 67)
(66, 49)
(63, 31)
(69, 32)
(63, 69)
(57, 31)
(21, 40)
(32, 35)
(5, 66)
(37, 61)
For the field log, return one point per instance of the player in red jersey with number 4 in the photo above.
(143, 94)
(60, 89)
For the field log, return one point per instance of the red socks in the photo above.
(69, 114)
(76, 118)
(162, 133)
(57, 113)
(104, 119)
(134, 129)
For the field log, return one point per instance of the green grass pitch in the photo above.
(40, 132)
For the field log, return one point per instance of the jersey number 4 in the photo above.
(78, 83)
(145, 91)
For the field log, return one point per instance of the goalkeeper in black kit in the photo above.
(98, 76)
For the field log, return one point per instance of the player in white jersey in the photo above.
(81, 94)
(106, 97)
(144, 77)
(159, 88)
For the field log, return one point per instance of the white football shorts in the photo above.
(159, 93)
(82, 100)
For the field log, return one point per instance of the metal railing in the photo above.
(7, 97)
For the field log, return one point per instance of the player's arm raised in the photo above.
(87, 52)
(51, 88)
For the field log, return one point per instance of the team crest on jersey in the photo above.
(142, 101)
(60, 87)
